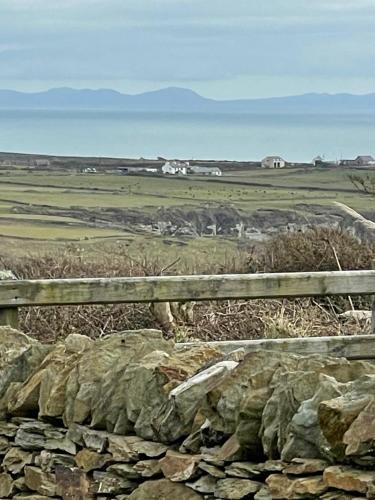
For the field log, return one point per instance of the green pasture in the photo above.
(38, 192)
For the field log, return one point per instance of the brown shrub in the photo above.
(311, 251)
(315, 250)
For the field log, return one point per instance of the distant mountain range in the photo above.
(183, 100)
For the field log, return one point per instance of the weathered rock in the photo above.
(90, 438)
(271, 466)
(8, 429)
(371, 491)
(20, 356)
(163, 488)
(245, 470)
(64, 444)
(212, 470)
(283, 487)
(95, 387)
(48, 460)
(148, 468)
(178, 466)
(6, 486)
(4, 445)
(290, 389)
(75, 342)
(72, 483)
(159, 409)
(263, 494)
(42, 482)
(348, 479)
(16, 459)
(360, 437)
(88, 460)
(20, 484)
(131, 448)
(125, 471)
(33, 497)
(337, 415)
(29, 440)
(205, 484)
(302, 466)
(305, 438)
(236, 488)
(110, 484)
(339, 496)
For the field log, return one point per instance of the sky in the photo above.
(222, 49)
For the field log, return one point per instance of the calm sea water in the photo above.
(238, 137)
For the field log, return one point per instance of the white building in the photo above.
(175, 167)
(273, 162)
(205, 171)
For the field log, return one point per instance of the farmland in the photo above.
(46, 209)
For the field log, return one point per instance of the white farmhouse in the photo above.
(273, 162)
(206, 171)
(175, 167)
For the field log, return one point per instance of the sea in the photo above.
(244, 137)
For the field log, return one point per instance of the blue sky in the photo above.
(220, 48)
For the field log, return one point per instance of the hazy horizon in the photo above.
(157, 89)
(223, 51)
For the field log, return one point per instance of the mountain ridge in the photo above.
(178, 99)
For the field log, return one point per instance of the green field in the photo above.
(25, 198)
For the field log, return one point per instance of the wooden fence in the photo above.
(25, 293)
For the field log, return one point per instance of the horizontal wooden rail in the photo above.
(350, 347)
(20, 293)
(24, 293)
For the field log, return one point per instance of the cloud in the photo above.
(186, 40)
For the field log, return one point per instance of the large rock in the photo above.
(16, 459)
(88, 460)
(348, 479)
(95, 389)
(6, 485)
(72, 483)
(178, 466)
(347, 422)
(260, 398)
(305, 438)
(284, 488)
(236, 488)
(42, 482)
(131, 448)
(158, 408)
(163, 488)
(20, 356)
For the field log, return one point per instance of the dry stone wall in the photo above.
(131, 416)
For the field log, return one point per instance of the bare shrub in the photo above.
(223, 320)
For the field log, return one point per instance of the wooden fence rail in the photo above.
(25, 293)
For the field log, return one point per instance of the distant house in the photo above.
(205, 171)
(273, 162)
(317, 161)
(175, 167)
(138, 170)
(360, 161)
(89, 170)
(42, 162)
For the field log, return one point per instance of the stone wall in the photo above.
(130, 416)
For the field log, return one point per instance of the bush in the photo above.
(316, 250)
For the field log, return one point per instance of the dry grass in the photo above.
(224, 320)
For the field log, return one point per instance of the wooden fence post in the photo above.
(8, 315)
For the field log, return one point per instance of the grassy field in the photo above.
(247, 190)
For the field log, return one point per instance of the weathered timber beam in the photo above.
(351, 347)
(184, 288)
